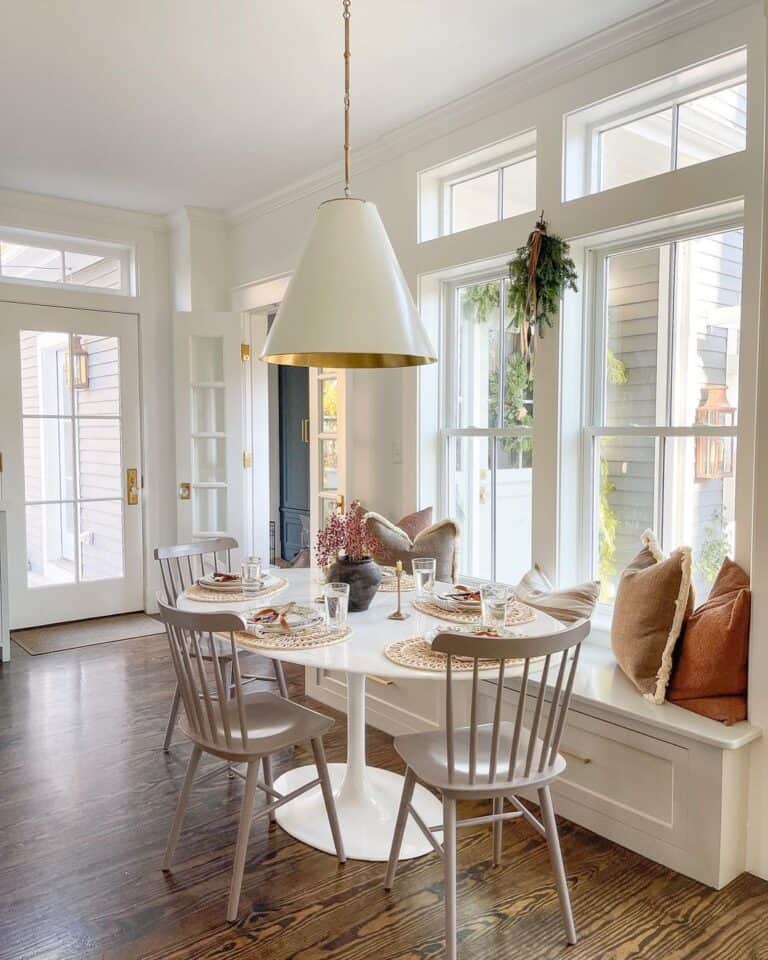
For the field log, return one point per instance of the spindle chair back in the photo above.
(183, 564)
(533, 750)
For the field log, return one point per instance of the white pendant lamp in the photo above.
(348, 304)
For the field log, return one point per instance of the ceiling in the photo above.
(155, 104)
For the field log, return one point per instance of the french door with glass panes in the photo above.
(210, 457)
(327, 445)
(69, 423)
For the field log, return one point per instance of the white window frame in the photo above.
(594, 353)
(449, 387)
(65, 244)
(582, 136)
(473, 173)
(596, 130)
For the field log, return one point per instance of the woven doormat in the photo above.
(86, 633)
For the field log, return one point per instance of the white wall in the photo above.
(148, 234)
(268, 238)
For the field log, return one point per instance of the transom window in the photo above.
(488, 431)
(688, 132)
(28, 257)
(662, 440)
(490, 184)
(689, 117)
(505, 191)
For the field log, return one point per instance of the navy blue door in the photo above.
(293, 399)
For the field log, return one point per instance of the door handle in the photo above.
(305, 430)
(132, 486)
(185, 491)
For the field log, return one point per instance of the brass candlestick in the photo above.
(398, 614)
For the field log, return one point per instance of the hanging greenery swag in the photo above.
(538, 274)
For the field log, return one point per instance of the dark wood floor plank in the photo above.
(85, 806)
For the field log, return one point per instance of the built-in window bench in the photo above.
(658, 779)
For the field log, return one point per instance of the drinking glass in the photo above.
(336, 597)
(493, 604)
(250, 574)
(424, 569)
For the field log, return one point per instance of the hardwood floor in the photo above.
(86, 800)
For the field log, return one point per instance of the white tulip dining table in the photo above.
(367, 798)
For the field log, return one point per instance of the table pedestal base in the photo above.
(367, 806)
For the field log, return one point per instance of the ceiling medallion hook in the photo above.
(346, 15)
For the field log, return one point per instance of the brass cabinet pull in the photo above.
(185, 491)
(575, 756)
(382, 681)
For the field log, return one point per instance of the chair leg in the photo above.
(246, 815)
(400, 823)
(449, 862)
(266, 766)
(556, 856)
(181, 807)
(330, 804)
(171, 725)
(282, 683)
(498, 827)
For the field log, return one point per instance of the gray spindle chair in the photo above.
(239, 728)
(494, 761)
(180, 567)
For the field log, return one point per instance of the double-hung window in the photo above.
(661, 444)
(487, 435)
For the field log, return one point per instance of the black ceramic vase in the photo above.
(363, 577)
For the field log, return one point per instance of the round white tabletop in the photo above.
(367, 798)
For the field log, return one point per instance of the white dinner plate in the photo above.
(233, 586)
(448, 602)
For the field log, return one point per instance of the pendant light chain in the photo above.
(347, 55)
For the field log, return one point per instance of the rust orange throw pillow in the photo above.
(710, 673)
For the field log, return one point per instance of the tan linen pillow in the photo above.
(710, 673)
(568, 605)
(653, 599)
(441, 541)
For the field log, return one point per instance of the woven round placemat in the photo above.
(516, 613)
(205, 595)
(298, 640)
(416, 653)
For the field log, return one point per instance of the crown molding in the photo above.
(668, 18)
(207, 216)
(47, 205)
